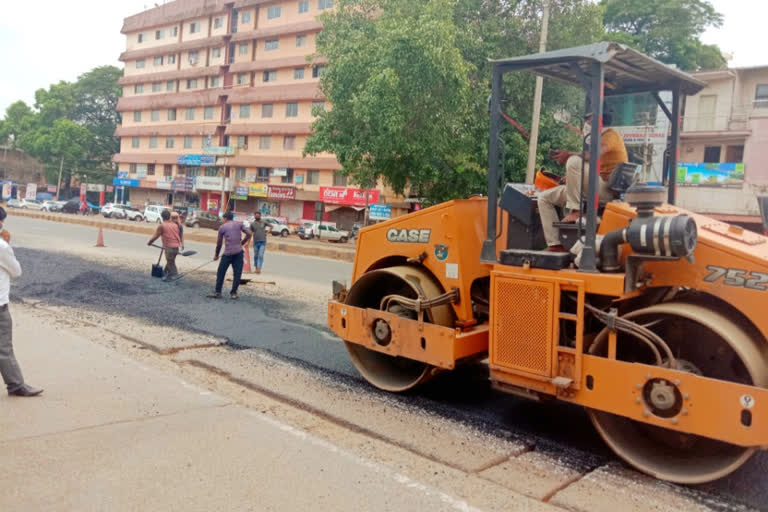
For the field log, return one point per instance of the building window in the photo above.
(194, 56)
(140, 63)
(324, 4)
(150, 169)
(265, 142)
(170, 85)
(215, 82)
(157, 87)
(317, 107)
(170, 142)
(298, 73)
(245, 17)
(140, 38)
(317, 71)
(216, 53)
(291, 110)
(192, 83)
(192, 171)
(274, 12)
(208, 113)
(761, 95)
(263, 175)
(211, 172)
(267, 109)
(189, 114)
(153, 142)
(712, 154)
(158, 61)
(245, 111)
(289, 142)
(138, 88)
(194, 28)
(270, 76)
(242, 79)
(135, 142)
(339, 179)
(301, 41)
(187, 141)
(180, 170)
(175, 31)
(167, 170)
(159, 34)
(240, 173)
(171, 114)
(242, 142)
(132, 168)
(155, 115)
(243, 48)
(734, 154)
(172, 58)
(218, 22)
(288, 178)
(313, 177)
(137, 116)
(303, 6)
(271, 44)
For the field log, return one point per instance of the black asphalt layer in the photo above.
(279, 328)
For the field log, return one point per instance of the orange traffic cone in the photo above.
(100, 238)
(247, 261)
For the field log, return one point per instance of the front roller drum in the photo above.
(393, 373)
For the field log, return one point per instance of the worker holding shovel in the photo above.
(168, 231)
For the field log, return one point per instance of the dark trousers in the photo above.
(9, 367)
(170, 258)
(236, 260)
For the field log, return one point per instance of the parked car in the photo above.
(277, 228)
(204, 220)
(112, 211)
(31, 204)
(52, 206)
(152, 213)
(130, 213)
(307, 231)
(71, 206)
(332, 234)
(13, 203)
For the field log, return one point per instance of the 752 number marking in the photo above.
(739, 278)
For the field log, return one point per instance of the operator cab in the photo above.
(601, 69)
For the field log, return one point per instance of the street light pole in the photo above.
(533, 142)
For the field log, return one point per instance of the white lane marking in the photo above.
(449, 500)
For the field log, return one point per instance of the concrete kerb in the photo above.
(147, 229)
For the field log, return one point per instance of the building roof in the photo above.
(208, 42)
(283, 161)
(167, 129)
(305, 91)
(269, 129)
(172, 12)
(280, 30)
(169, 75)
(626, 69)
(171, 100)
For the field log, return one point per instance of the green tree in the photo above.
(19, 119)
(668, 30)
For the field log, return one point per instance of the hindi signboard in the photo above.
(347, 196)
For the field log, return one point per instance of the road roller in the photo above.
(655, 320)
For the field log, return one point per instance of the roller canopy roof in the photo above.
(626, 70)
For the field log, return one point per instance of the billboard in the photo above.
(31, 191)
(281, 192)
(347, 196)
(258, 189)
(380, 212)
(710, 174)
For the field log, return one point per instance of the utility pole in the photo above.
(533, 142)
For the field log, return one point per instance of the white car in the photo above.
(31, 204)
(277, 228)
(50, 206)
(152, 213)
(330, 233)
(130, 213)
(112, 211)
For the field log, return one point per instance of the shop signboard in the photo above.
(6, 191)
(213, 204)
(95, 187)
(219, 150)
(281, 192)
(347, 196)
(380, 212)
(258, 189)
(31, 190)
(196, 160)
(209, 182)
(184, 184)
(125, 182)
(241, 191)
(279, 172)
(710, 174)
(110, 188)
(52, 189)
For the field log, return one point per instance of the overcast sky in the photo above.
(51, 40)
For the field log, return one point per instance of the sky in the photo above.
(60, 39)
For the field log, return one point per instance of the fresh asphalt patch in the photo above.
(279, 327)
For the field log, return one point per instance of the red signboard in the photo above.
(281, 192)
(348, 196)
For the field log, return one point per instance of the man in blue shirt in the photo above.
(230, 233)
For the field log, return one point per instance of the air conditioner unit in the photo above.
(193, 62)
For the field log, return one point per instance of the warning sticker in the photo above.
(451, 270)
(747, 401)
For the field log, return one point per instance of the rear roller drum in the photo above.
(703, 342)
(386, 372)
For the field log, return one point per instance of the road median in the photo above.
(317, 249)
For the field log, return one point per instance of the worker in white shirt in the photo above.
(9, 367)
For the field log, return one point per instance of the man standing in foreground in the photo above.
(171, 237)
(259, 230)
(9, 367)
(229, 233)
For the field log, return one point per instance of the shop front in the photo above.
(214, 192)
(346, 206)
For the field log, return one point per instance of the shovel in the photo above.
(185, 253)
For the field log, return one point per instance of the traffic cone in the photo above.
(247, 262)
(100, 238)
